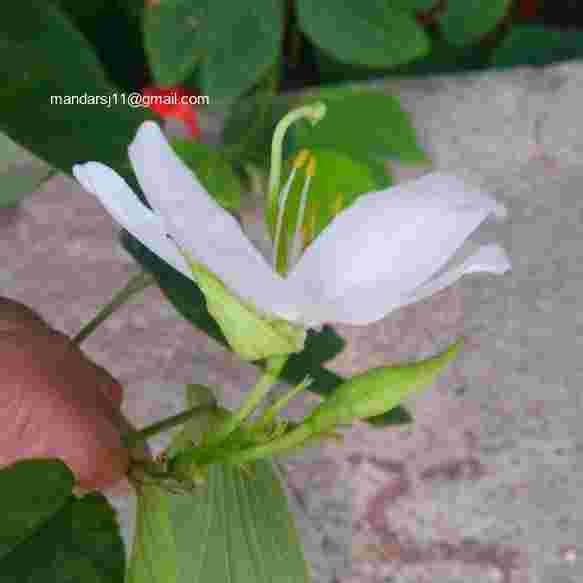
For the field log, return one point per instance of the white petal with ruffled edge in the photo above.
(204, 229)
(490, 258)
(390, 241)
(371, 303)
(124, 206)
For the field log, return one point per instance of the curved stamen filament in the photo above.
(297, 239)
(314, 113)
(299, 161)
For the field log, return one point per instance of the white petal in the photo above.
(371, 303)
(124, 206)
(489, 258)
(203, 228)
(393, 240)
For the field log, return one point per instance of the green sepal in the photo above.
(251, 335)
(378, 390)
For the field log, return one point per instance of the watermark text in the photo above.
(134, 100)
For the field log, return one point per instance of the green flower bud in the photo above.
(377, 391)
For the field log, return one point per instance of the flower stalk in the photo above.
(145, 433)
(269, 415)
(137, 283)
(269, 377)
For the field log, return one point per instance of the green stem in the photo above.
(136, 284)
(269, 377)
(295, 438)
(165, 424)
(270, 413)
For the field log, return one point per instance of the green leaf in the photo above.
(235, 529)
(31, 492)
(10, 153)
(120, 49)
(465, 21)
(249, 127)
(172, 39)
(213, 170)
(537, 46)
(43, 55)
(20, 173)
(47, 535)
(80, 543)
(380, 174)
(338, 182)
(361, 123)
(414, 5)
(374, 34)
(232, 45)
(447, 58)
(154, 557)
(20, 182)
(396, 416)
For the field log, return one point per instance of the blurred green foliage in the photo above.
(49, 535)
(243, 56)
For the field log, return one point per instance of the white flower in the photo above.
(383, 252)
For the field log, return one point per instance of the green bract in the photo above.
(251, 335)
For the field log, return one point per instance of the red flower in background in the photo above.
(173, 102)
(528, 9)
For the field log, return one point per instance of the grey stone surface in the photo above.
(486, 486)
(511, 503)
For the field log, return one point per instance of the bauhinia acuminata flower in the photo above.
(388, 249)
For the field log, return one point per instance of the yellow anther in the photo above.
(300, 159)
(314, 113)
(311, 168)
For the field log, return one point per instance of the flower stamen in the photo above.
(296, 247)
(297, 164)
(314, 113)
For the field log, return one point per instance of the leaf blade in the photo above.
(537, 46)
(231, 47)
(19, 485)
(30, 75)
(213, 170)
(466, 21)
(78, 540)
(361, 123)
(373, 34)
(232, 505)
